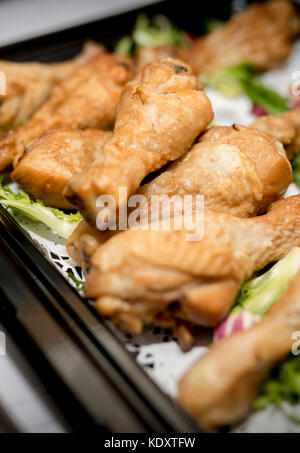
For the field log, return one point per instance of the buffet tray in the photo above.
(100, 378)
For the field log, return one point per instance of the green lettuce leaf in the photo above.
(56, 219)
(259, 294)
(282, 388)
(151, 33)
(212, 24)
(241, 79)
(296, 169)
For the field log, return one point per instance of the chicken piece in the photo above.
(219, 389)
(238, 170)
(284, 127)
(239, 178)
(83, 243)
(261, 34)
(28, 85)
(142, 274)
(87, 99)
(46, 167)
(161, 112)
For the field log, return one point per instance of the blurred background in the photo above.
(23, 19)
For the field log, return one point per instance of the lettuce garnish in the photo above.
(296, 169)
(242, 79)
(282, 389)
(56, 219)
(260, 293)
(151, 33)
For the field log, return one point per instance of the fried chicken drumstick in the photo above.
(261, 34)
(87, 99)
(47, 166)
(28, 85)
(160, 114)
(219, 389)
(238, 170)
(284, 127)
(136, 276)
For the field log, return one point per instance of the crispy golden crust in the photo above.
(160, 114)
(47, 166)
(284, 127)
(220, 388)
(238, 170)
(87, 99)
(28, 85)
(83, 243)
(231, 181)
(150, 270)
(261, 34)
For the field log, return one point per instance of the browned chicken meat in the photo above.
(284, 127)
(83, 243)
(28, 85)
(261, 34)
(220, 388)
(139, 276)
(160, 114)
(46, 167)
(87, 99)
(238, 170)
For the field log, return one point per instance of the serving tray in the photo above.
(100, 378)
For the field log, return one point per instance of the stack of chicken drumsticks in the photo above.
(68, 156)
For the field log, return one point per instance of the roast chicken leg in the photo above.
(87, 99)
(160, 114)
(284, 127)
(220, 388)
(136, 276)
(28, 85)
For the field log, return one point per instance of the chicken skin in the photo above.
(238, 170)
(219, 389)
(87, 99)
(83, 243)
(240, 173)
(28, 85)
(261, 34)
(284, 127)
(160, 114)
(139, 276)
(46, 167)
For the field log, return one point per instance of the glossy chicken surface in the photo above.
(160, 114)
(239, 171)
(219, 389)
(137, 275)
(262, 34)
(28, 85)
(87, 99)
(284, 127)
(84, 242)
(47, 166)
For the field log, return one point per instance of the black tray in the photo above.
(52, 325)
